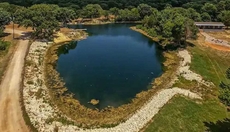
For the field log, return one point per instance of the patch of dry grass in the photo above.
(224, 35)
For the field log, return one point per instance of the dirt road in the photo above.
(11, 119)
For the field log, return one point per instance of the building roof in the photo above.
(209, 24)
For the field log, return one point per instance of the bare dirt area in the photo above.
(11, 119)
(204, 42)
(16, 27)
(224, 35)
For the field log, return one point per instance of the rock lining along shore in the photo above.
(41, 111)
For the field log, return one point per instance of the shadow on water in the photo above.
(219, 126)
(64, 49)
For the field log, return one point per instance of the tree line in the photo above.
(172, 25)
(107, 4)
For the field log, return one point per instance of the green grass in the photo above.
(185, 115)
(210, 64)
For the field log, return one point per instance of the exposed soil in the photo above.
(216, 40)
(11, 119)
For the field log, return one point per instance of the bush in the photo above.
(228, 73)
(225, 90)
(225, 96)
(139, 26)
(152, 32)
(3, 45)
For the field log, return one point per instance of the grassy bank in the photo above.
(182, 114)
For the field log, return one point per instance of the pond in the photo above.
(112, 65)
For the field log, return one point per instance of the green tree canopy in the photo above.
(114, 11)
(224, 16)
(206, 17)
(211, 10)
(92, 11)
(193, 14)
(65, 15)
(144, 10)
(4, 19)
(128, 15)
(42, 18)
(171, 26)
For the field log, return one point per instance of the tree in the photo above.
(134, 15)
(225, 90)
(114, 11)
(211, 10)
(4, 20)
(193, 14)
(150, 21)
(223, 5)
(92, 11)
(171, 26)
(224, 16)
(178, 30)
(105, 14)
(144, 10)
(65, 15)
(42, 18)
(205, 17)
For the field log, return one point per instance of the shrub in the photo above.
(30, 82)
(3, 45)
(228, 73)
(225, 90)
(139, 26)
(225, 96)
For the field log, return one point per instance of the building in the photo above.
(210, 25)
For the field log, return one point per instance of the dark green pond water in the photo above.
(112, 65)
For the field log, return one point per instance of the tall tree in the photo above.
(224, 16)
(114, 11)
(205, 17)
(193, 14)
(4, 19)
(92, 11)
(211, 10)
(65, 15)
(144, 10)
(42, 18)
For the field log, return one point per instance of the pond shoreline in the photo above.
(94, 118)
(144, 33)
(106, 22)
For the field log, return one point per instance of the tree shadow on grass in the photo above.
(4, 35)
(173, 47)
(219, 126)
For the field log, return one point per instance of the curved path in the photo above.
(11, 119)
